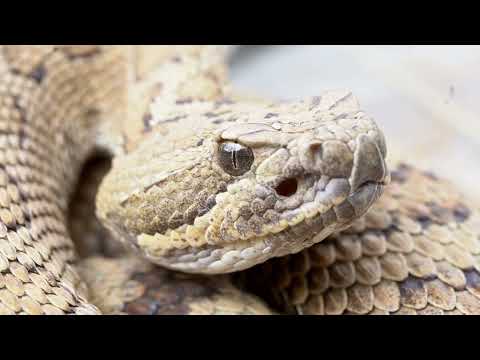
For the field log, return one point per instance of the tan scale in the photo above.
(162, 115)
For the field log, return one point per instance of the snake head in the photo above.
(231, 186)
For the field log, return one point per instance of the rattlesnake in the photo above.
(204, 183)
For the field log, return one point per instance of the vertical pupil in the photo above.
(234, 158)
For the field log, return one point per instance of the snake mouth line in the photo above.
(237, 256)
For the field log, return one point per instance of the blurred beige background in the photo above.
(425, 98)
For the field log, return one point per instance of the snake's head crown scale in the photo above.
(236, 184)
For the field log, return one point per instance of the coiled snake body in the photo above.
(203, 183)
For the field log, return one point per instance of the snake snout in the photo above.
(369, 165)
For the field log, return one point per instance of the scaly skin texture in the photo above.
(199, 183)
(50, 103)
(171, 199)
(417, 251)
(129, 285)
(122, 283)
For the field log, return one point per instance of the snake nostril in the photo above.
(287, 187)
(317, 149)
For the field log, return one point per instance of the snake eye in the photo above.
(234, 158)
